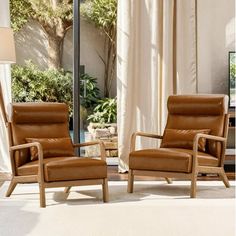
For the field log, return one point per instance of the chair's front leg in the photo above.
(42, 195)
(168, 180)
(193, 185)
(224, 178)
(130, 188)
(105, 190)
(67, 189)
(41, 176)
(11, 187)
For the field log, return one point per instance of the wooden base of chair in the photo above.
(130, 188)
(42, 195)
(67, 189)
(105, 190)
(167, 175)
(67, 184)
(168, 180)
(11, 188)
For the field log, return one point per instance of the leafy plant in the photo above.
(105, 111)
(232, 70)
(103, 14)
(89, 92)
(30, 84)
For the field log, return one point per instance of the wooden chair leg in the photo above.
(42, 196)
(168, 180)
(105, 190)
(193, 186)
(224, 178)
(130, 188)
(67, 189)
(11, 188)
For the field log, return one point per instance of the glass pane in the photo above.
(98, 82)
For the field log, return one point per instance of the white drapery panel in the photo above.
(5, 77)
(156, 57)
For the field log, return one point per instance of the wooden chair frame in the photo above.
(196, 168)
(39, 178)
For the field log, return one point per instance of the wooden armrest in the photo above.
(100, 143)
(28, 145)
(25, 145)
(206, 136)
(148, 135)
(142, 134)
(40, 156)
(86, 144)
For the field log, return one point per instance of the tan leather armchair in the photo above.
(194, 141)
(42, 152)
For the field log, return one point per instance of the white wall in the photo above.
(91, 46)
(216, 37)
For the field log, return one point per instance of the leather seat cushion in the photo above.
(67, 168)
(168, 159)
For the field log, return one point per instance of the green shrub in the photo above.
(89, 92)
(105, 111)
(30, 84)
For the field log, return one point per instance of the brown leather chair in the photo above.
(194, 141)
(42, 151)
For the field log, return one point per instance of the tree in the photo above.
(55, 18)
(103, 14)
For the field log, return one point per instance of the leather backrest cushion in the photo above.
(175, 138)
(52, 147)
(41, 112)
(37, 120)
(199, 112)
(211, 105)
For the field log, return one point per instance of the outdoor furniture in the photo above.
(42, 151)
(194, 141)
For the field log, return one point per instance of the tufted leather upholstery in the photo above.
(186, 112)
(37, 120)
(47, 121)
(199, 112)
(42, 151)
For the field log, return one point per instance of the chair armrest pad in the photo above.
(148, 135)
(142, 134)
(86, 144)
(208, 136)
(26, 145)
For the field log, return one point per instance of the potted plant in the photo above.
(104, 117)
(103, 125)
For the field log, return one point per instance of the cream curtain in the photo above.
(5, 77)
(156, 51)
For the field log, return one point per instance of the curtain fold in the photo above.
(150, 66)
(5, 78)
